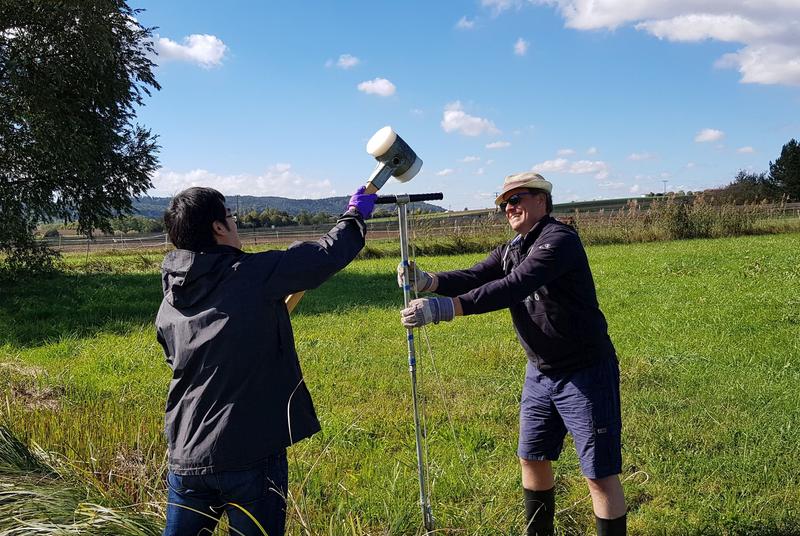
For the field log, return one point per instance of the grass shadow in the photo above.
(49, 308)
(349, 290)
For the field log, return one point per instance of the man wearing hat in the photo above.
(572, 377)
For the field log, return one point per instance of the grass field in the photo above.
(707, 331)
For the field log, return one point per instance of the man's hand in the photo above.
(426, 310)
(363, 203)
(420, 281)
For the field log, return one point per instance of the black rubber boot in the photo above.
(611, 527)
(540, 510)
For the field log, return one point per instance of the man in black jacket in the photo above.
(237, 397)
(572, 379)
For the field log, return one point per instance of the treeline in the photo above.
(781, 182)
(130, 224)
(272, 217)
(267, 218)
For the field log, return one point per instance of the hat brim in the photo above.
(538, 184)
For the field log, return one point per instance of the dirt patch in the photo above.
(38, 397)
(130, 463)
(20, 369)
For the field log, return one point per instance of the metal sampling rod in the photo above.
(402, 202)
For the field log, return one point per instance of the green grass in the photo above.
(708, 334)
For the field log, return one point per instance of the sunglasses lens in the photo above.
(513, 201)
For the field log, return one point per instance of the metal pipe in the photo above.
(427, 515)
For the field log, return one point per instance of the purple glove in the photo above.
(363, 203)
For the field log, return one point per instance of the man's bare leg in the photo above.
(608, 501)
(538, 483)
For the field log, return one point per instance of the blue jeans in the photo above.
(196, 502)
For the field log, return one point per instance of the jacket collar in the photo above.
(523, 242)
(220, 248)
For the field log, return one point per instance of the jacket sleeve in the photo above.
(547, 261)
(306, 265)
(460, 281)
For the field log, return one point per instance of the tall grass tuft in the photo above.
(43, 495)
(670, 218)
(674, 218)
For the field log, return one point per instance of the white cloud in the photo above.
(698, 27)
(489, 162)
(498, 6)
(557, 165)
(767, 29)
(745, 149)
(640, 156)
(345, 61)
(378, 86)
(579, 167)
(445, 172)
(765, 64)
(565, 152)
(277, 180)
(591, 150)
(709, 134)
(498, 144)
(465, 24)
(611, 185)
(480, 171)
(470, 158)
(635, 189)
(690, 165)
(417, 111)
(455, 119)
(598, 167)
(205, 50)
(521, 47)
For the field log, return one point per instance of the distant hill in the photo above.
(154, 207)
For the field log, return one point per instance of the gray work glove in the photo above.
(426, 310)
(420, 281)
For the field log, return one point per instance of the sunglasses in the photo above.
(229, 214)
(514, 200)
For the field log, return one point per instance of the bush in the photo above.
(29, 258)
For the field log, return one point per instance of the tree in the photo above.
(72, 73)
(785, 171)
(749, 187)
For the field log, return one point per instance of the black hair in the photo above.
(190, 216)
(547, 194)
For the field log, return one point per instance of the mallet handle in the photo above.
(409, 198)
(293, 299)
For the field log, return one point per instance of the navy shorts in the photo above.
(584, 403)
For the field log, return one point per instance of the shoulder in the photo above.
(560, 231)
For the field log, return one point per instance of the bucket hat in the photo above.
(526, 179)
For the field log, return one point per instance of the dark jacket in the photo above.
(237, 393)
(545, 281)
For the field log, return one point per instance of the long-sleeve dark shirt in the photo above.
(237, 393)
(544, 279)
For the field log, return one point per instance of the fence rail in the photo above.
(474, 222)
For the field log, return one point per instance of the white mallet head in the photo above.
(391, 150)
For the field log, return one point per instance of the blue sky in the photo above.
(606, 98)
